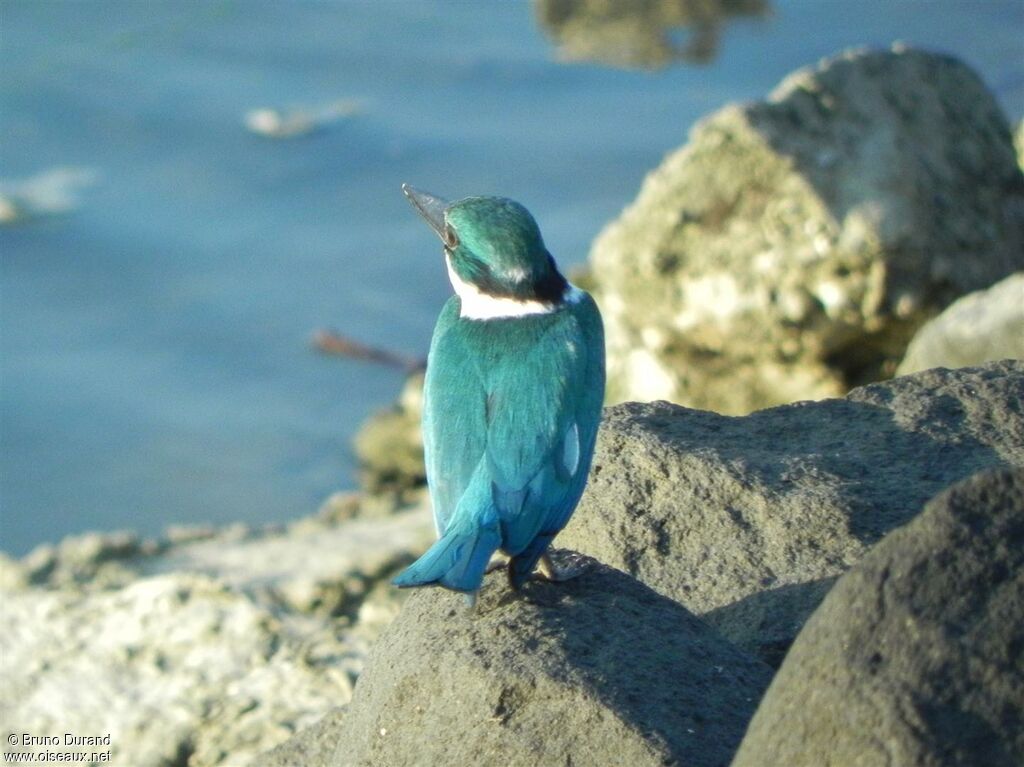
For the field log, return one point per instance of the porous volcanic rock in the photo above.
(748, 520)
(915, 656)
(598, 671)
(794, 245)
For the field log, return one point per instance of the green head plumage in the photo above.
(494, 244)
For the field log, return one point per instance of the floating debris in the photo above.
(9, 211)
(51, 192)
(331, 342)
(300, 121)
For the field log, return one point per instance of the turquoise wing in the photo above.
(454, 416)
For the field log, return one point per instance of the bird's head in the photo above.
(494, 251)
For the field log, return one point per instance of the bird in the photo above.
(513, 394)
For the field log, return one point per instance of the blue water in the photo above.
(154, 340)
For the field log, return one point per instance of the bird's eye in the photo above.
(451, 240)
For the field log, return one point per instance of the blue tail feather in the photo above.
(457, 561)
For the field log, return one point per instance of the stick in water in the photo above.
(331, 342)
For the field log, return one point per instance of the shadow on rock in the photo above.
(770, 619)
(915, 656)
(712, 510)
(600, 670)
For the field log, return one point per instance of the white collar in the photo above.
(477, 305)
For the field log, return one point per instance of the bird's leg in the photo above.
(551, 572)
(471, 600)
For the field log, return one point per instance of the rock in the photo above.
(915, 655)
(313, 746)
(389, 447)
(792, 248)
(640, 33)
(98, 560)
(981, 326)
(1018, 142)
(13, 575)
(598, 671)
(746, 521)
(340, 507)
(207, 651)
(175, 668)
(312, 568)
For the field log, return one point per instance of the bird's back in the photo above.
(511, 413)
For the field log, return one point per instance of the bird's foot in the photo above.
(497, 563)
(551, 572)
(470, 597)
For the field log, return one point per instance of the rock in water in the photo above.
(981, 326)
(792, 248)
(596, 671)
(389, 446)
(1018, 142)
(915, 656)
(646, 35)
(747, 521)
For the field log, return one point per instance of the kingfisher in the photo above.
(512, 397)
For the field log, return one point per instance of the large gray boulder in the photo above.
(747, 520)
(793, 246)
(915, 657)
(596, 671)
(982, 326)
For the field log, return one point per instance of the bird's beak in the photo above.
(430, 207)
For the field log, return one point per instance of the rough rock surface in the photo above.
(313, 746)
(205, 648)
(598, 671)
(915, 657)
(747, 520)
(792, 248)
(982, 326)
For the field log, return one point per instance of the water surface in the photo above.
(154, 347)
